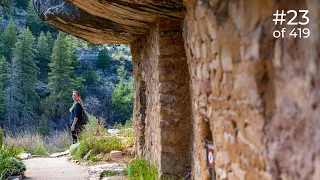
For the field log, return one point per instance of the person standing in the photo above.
(75, 116)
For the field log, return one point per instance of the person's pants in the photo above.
(74, 137)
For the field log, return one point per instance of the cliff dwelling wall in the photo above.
(258, 95)
(162, 99)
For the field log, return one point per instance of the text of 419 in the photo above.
(279, 17)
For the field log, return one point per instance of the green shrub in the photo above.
(40, 150)
(10, 166)
(142, 169)
(96, 138)
(9, 151)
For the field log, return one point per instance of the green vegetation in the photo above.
(61, 81)
(33, 21)
(8, 40)
(142, 169)
(43, 57)
(4, 2)
(39, 70)
(122, 96)
(22, 97)
(10, 166)
(103, 59)
(97, 139)
(126, 130)
(91, 77)
(9, 163)
(43, 126)
(22, 3)
(3, 78)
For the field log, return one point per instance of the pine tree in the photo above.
(3, 78)
(22, 3)
(8, 40)
(61, 84)
(91, 77)
(103, 59)
(43, 57)
(12, 103)
(50, 41)
(5, 2)
(23, 98)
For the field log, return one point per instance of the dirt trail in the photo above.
(54, 168)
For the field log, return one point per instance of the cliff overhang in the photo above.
(106, 21)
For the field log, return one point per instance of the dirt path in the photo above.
(54, 168)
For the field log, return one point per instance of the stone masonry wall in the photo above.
(162, 99)
(146, 107)
(257, 96)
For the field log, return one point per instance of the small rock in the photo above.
(55, 155)
(116, 154)
(87, 155)
(114, 168)
(84, 163)
(24, 156)
(114, 131)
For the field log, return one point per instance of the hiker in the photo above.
(75, 115)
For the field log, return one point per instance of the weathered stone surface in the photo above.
(261, 92)
(166, 103)
(115, 154)
(55, 155)
(106, 21)
(95, 172)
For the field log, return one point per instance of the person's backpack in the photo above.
(84, 118)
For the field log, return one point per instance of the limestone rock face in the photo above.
(106, 21)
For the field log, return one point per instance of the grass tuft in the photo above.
(142, 169)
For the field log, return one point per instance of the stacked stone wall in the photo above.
(162, 100)
(257, 95)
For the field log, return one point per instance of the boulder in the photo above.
(116, 154)
(24, 156)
